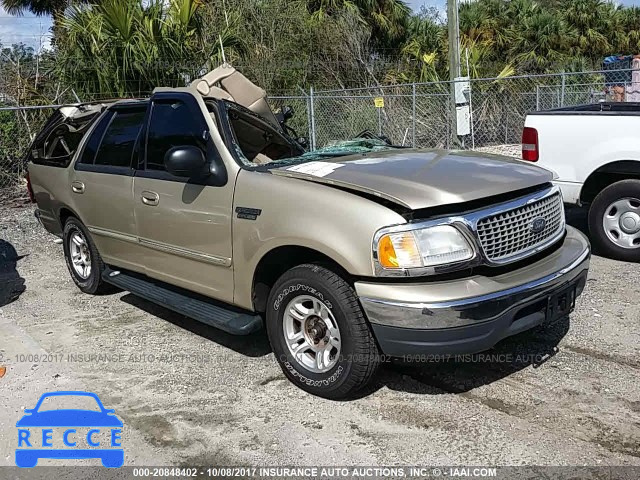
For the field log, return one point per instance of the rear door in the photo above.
(50, 155)
(102, 184)
(184, 224)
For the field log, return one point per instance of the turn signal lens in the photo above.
(398, 250)
(386, 253)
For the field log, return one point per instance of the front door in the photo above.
(184, 224)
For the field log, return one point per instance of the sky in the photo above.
(27, 29)
(34, 31)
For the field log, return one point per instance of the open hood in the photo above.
(418, 179)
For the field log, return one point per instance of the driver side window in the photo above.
(172, 124)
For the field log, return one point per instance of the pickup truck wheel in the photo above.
(82, 258)
(614, 220)
(319, 334)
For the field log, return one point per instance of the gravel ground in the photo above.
(227, 402)
(508, 150)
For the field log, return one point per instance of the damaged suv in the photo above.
(200, 200)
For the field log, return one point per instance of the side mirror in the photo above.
(185, 161)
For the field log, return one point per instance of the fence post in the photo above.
(313, 120)
(562, 91)
(473, 134)
(413, 117)
(455, 140)
(537, 98)
(308, 105)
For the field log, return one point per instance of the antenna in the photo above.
(224, 59)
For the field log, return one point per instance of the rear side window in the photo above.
(93, 142)
(172, 124)
(57, 142)
(120, 137)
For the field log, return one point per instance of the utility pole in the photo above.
(454, 63)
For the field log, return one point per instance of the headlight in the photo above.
(426, 247)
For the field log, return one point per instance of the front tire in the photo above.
(614, 220)
(82, 258)
(319, 334)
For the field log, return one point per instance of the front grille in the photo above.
(509, 234)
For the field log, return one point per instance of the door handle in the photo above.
(150, 198)
(77, 187)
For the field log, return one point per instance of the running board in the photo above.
(190, 304)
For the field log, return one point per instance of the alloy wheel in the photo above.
(312, 334)
(80, 254)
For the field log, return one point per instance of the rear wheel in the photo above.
(614, 220)
(319, 334)
(83, 260)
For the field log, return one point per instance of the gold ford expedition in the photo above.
(201, 200)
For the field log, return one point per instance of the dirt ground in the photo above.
(191, 395)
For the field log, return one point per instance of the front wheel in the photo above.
(614, 220)
(319, 334)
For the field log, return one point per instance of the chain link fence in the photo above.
(423, 114)
(418, 115)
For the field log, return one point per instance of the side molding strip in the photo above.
(111, 234)
(163, 247)
(183, 252)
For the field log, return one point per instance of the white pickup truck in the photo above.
(594, 151)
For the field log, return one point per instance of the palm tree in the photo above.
(426, 38)
(126, 48)
(37, 7)
(595, 24)
(386, 18)
(541, 41)
(631, 25)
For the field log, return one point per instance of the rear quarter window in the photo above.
(57, 142)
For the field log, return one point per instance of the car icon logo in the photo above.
(69, 433)
(537, 225)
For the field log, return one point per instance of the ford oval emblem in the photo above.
(538, 225)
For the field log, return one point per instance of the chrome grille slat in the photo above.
(508, 234)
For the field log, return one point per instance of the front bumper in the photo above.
(472, 314)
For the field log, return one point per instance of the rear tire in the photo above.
(319, 334)
(82, 258)
(614, 221)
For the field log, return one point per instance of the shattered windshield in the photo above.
(259, 144)
(337, 149)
